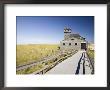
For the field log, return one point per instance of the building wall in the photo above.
(72, 46)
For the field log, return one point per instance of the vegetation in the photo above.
(30, 69)
(90, 54)
(30, 53)
(91, 57)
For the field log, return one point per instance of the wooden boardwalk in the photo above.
(72, 64)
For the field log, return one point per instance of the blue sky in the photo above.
(49, 29)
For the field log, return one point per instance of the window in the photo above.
(63, 43)
(69, 44)
(75, 43)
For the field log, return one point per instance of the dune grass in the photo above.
(33, 52)
(30, 69)
(90, 54)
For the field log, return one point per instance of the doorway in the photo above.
(83, 46)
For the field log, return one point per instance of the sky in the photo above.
(50, 29)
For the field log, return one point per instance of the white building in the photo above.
(72, 41)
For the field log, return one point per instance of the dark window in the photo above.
(75, 43)
(63, 43)
(72, 39)
(69, 43)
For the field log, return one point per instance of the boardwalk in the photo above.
(78, 63)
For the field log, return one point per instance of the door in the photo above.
(83, 46)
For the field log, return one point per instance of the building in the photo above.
(72, 41)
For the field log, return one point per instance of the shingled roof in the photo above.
(76, 36)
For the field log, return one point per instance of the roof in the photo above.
(72, 35)
(75, 36)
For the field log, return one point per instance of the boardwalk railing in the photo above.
(85, 65)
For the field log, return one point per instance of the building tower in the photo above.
(67, 32)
